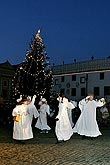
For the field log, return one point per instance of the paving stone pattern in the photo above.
(43, 150)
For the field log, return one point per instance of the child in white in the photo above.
(63, 127)
(42, 119)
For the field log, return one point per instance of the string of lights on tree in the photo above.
(34, 75)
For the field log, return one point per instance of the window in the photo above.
(56, 82)
(83, 91)
(5, 83)
(5, 93)
(62, 79)
(82, 79)
(106, 90)
(102, 76)
(73, 91)
(96, 91)
(73, 77)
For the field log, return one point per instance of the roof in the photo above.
(6, 65)
(86, 66)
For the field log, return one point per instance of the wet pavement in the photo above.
(43, 150)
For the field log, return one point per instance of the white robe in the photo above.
(32, 111)
(63, 127)
(42, 119)
(87, 123)
(22, 130)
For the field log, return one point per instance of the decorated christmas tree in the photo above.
(34, 75)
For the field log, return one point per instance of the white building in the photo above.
(78, 79)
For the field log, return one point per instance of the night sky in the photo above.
(71, 29)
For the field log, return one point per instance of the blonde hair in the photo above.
(90, 94)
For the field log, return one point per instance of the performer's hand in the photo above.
(21, 96)
(88, 97)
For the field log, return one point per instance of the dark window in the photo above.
(56, 82)
(102, 76)
(83, 91)
(107, 90)
(96, 91)
(5, 83)
(62, 79)
(73, 77)
(5, 94)
(73, 91)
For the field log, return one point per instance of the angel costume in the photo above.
(31, 109)
(42, 119)
(63, 127)
(22, 130)
(86, 124)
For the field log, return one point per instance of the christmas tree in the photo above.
(34, 75)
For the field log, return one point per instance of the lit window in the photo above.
(82, 79)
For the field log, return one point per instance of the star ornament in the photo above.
(38, 34)
(39, 31)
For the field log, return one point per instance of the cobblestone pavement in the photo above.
(43, 150)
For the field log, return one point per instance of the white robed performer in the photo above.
(42, 119)
(22, 129)
(86, 124)
(31, 109)
(63, 127)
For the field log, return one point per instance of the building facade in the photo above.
(78, 79)
(6, 75)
